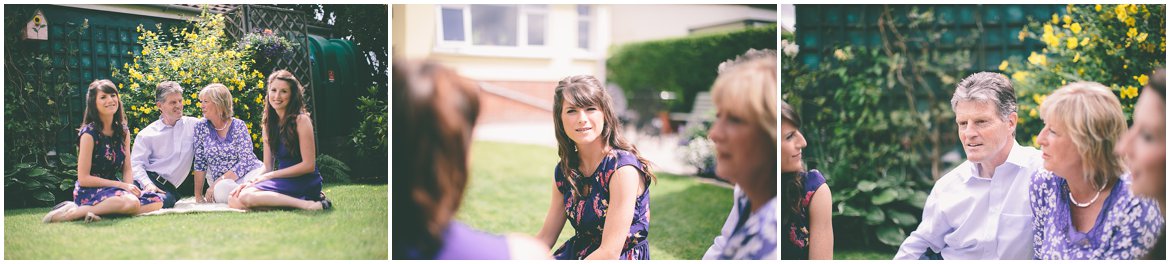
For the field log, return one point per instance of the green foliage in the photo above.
(685, 66)
(44, 184)
(1115, 45)
(267, 47)
(36, 92)
(193, 56)
(369, 138)
(878, 122)
(332, 170)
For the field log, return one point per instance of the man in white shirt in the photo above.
(980, 209)
(163, 152)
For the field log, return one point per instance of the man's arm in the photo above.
(139, 156)
(930, 232)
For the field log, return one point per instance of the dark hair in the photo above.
(1158, 81)
(91, 115)
(585, 90)
(434, 113)
(793, 181)
(295, 107)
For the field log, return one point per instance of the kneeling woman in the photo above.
(104, 145)
(602, 184)
(292, 180)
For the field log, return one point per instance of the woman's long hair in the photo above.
(793, 181)
(434, 113)
(585, 90)
(92, 116)
(287, 133)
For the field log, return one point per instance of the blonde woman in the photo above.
(1081, 202)
(223, 147)
(744, 133)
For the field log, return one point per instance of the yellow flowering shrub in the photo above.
(1115, 45)
(194, 56)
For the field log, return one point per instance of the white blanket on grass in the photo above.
(188, 205)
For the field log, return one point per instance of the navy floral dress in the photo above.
(795, 245)
(586, 213)
(107, 160)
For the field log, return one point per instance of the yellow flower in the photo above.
(194, 96)
(1072, 43)
(1077, 58)
(186, 101)
(1003, 65)
(135, 130)
(1129, 21)
(1121, 15)
(1084, 41)
(1129, 92)
(1067, 19)
(146, 110)
(1142, 79)
(1142, 37)
(1055, 18)
(1020, 76)
(1098, 7)
(1038, 59)
(1132, 32)
(1076, 28)
(1032, 113)
(1022, 35)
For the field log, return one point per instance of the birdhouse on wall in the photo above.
(37, 28)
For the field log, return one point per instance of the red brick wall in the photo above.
(496, 109)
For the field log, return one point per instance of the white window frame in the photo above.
(592, 27)
(522, 13)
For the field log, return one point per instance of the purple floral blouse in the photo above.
(1125, 229)
(216, 156)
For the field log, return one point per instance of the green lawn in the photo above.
(511, 185)
(864, 254)
(355, 229)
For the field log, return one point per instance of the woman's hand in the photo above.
(249, 183)
(131, 188)
(230, 175)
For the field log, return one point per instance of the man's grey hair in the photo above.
(749, 55)
(165, 89)
(987, 87)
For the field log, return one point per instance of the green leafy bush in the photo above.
(1115, 45)
(369, 138)
(685, 66)
(36, 95)
(193, 56)
(332, 170)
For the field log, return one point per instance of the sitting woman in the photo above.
(434, 114)
(223, 147)
(1081, 202)
(292, 179)
(602, 184)
(104, 145)
(744, 134)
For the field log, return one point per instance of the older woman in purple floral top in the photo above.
(1081, 202)
(223, 147)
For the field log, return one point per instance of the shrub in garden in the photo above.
(1115, 45)
(267, 48)
(369, 138)
(194, 56)
(36, 91)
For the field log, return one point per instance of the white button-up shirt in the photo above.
(166, 150)
(969, 217)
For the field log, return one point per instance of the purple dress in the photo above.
(797, 232)
(217, 156)
(1125, 229)
(107, 160)
(587, 212)
(304, 187)
(462, 243)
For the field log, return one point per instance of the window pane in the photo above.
(583, 34)
(583, 10)
(536, 23)
(452, 24)
(493, 25)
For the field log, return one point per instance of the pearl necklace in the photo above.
(225, 126)
(1083, 205)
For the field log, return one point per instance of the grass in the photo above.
(355, 229)
(511, 185)
(864, 254)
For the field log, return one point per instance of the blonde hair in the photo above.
(748, 89)
(219, 94)
(1094, 121)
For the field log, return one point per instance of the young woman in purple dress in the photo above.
(104, 145)
(602, 184)
(292, 179)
